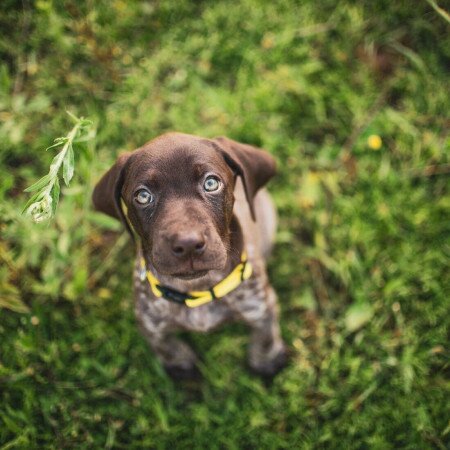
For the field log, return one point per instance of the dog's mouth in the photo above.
(188, 269)
(190, 275)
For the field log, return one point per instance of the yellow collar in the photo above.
(193, 299)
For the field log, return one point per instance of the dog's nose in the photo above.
(188, 244)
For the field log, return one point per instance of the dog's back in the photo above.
(260, 235)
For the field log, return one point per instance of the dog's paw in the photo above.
(179, 373)
(269, 367)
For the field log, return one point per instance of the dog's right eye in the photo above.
(211, 184)
(143, 197)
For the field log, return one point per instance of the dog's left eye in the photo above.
(143, 197)
(211, 184)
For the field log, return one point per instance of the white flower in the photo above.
(41, 210)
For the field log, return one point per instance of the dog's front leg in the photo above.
(267, 351)
(178, 359)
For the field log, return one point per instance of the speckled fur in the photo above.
(253, 302)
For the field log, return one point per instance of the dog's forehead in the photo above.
(175, 154)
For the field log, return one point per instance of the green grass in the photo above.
(361, 264)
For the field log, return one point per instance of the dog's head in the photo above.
(178, 191)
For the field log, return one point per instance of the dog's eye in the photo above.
(211, 184)
(143, 197)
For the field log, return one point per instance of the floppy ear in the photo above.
(255, 166)
(107, 192)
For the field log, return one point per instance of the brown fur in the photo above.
(192, 239)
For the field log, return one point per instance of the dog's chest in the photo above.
(161, 315)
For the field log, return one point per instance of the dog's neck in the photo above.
(210, 279)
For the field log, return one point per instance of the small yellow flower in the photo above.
(374, 142)
(438, 349)
(383, 209)
(127, 59)
(104, 293)
(32, 68)
(76, 347)
(268, 41)
(120, 6)
(306, 202)
(298, 344)
(34, 320)
(116, 51)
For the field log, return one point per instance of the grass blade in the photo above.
(55, 195)
(39, 184)
(68, 165)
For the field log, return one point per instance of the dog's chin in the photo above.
(190, 275)
(188, 270)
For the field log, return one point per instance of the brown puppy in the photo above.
(194, 207)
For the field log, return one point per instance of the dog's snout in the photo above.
(188, 244)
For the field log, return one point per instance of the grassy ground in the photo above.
(361, 265)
